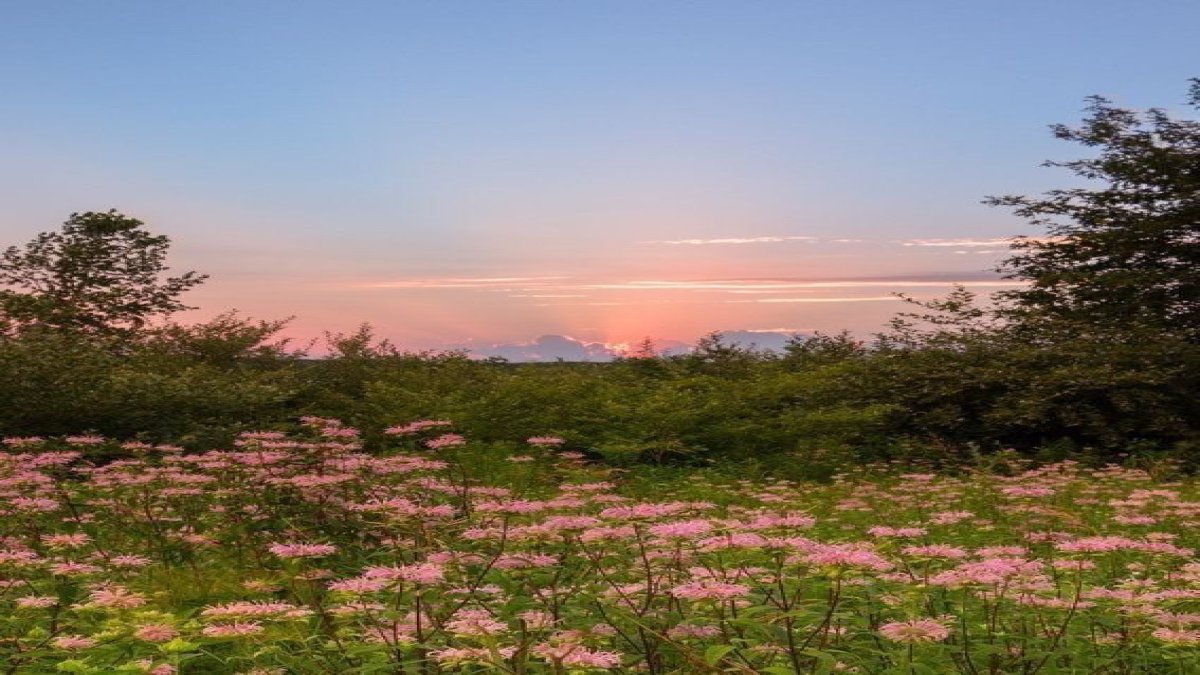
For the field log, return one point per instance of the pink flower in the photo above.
(536, 619)
(1073, 565)
(18, 558)
(934, 551)
(710, 590)
(847, 555)
(28, 504)
(1135, 520)
(685, 529)
(418, 573)
(37, 601)
(1021, 491)
(902, 532)
(475, 622)
(446, 441)
(129, 561)
(68, 569)
(573, 655)
(1177, 637)
(461, 655)
(156, 632)
(916, 630)
(1001, 551)
(390, 632)
(117, 597)
(646, 510)
(989, 571)
(586, 658)
(744, 540)
(608, 534)
(233, 629)
(517, 561)
(791, 521)
(84, 440)
(66, 540)
(244, 609)
(22, 441)
(359, 585)
(515, 506)
(301, 550)
(340, 432)
(950, 517)
(73, 642)
(1096, 545)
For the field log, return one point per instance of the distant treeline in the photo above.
(826, 401)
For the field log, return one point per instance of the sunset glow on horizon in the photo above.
(479, 175)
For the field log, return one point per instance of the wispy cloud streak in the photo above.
(999, 243)
(564, 287)
(464, 282)
(876, 298)
(732, 240)
(958, 243)
(751, 285)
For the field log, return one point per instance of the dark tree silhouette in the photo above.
(101, 274)
(1124, 254)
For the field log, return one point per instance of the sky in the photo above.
(523, 178)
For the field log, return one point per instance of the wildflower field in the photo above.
(301, 553)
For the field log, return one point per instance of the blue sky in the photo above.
(487, 172)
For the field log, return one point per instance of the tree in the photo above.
(101, 274)
(822, 349)
(1124, 254)
(227, 340)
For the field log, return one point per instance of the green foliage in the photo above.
(679, 409)
(1123, 253)
(954, 375)
(55, 384)
(944, 391)
(78, 353)
(821, 349)
(99, 275)
(226, 341)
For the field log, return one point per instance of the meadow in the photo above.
(299, 552)
(995, 483)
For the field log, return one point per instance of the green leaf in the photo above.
(826, 660)
(178, 646)
(715, 653)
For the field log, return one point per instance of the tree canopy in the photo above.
(1124, 250)
(102, 273)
